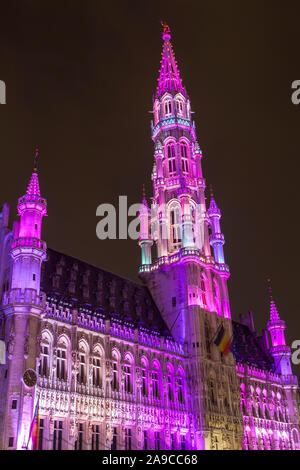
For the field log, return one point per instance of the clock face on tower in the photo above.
(29, 378)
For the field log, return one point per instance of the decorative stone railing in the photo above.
(91, 322)
(32, 198)
(164, 260)
(246, 370)
(29, 242)
(114, 327)
(281, 348)
(24, 296)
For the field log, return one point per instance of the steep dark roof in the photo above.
(250, 347)
(80, 284)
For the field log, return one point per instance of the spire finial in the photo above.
(166, 33)
(211, 191)
(35, 158)
(270, 288)
(144, 191)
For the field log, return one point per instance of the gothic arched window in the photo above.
(61, 361)
(168, 107)
(179, 106)
(96, 371)
(175, 227)
(203, 291)
(184, 157)
(171, 155)
(44, 360)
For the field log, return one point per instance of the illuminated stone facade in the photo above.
(122, 365)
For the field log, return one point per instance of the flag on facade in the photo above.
(35, 428)
(223, 341)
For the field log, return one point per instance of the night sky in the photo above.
(80, 78)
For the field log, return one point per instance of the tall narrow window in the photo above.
(96, 372)
(44, 362)
(144, 383)
(114, 439)
(57, 435)
(115, 376)
(182, 443)
(179, 107)
(155, 387)
(127, 439)
(168, 107)
(184, 157)
(79, 442)
(171, 155)
(61, 363)
(156, 440)
(170, 388)
(180, 390)
(145, 440)
(127, 383)
(173, 441)
(175, 227)
(203, 292)
(81, 375)
(41, 434)
(95, 437)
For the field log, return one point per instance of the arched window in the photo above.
(171, 155)
(44, 365)
(203, 291)
(144, 372)
(180, 386)
(155, 380)
(217, 296)
(128, 370)
(175, 227)
(179, 106)
(115, 369)
(96, 364)
(61, 360)
(168, 107)
(82, 367)
(184, 157)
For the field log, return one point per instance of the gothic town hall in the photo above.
(114, 364)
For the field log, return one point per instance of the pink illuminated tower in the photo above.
(23, 305)
(279, 350)
(188, 278)
(183, 229)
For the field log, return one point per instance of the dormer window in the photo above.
(179, 107)
(168, 107)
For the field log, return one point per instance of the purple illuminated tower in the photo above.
(23, 305)
(183, 230)
(279, 350)
(188, 279)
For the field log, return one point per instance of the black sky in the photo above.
(80, 78)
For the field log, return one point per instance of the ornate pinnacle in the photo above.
(35, 159)
(166, 33)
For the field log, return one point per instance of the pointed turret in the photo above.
(27, 239)
(279, 350)
(145, 240)
(169, 76)
(216, 238)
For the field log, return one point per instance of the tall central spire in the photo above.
(169, 76)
